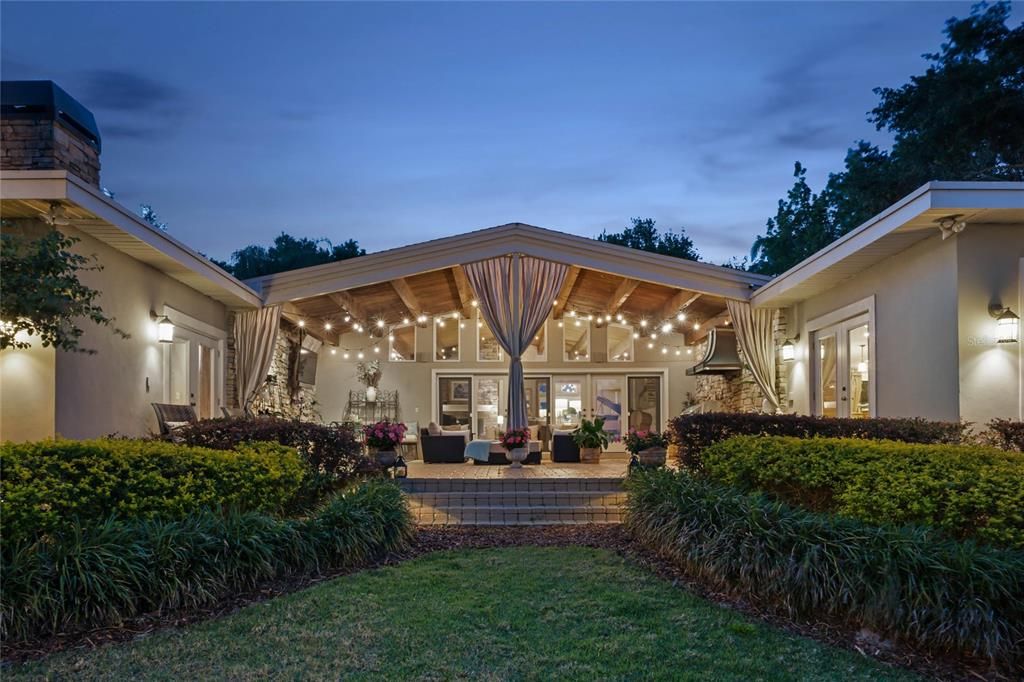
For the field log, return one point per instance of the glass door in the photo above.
(490, 403)
(453, 399)
(609, 393)
(645, 403)
(569, 398)
(842, 369)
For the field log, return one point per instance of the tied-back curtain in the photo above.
(755, 329)
(255, 339)
(515, 294)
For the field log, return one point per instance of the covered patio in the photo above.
(619, 331)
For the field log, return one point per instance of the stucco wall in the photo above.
(916, 353)
(336, 376)
(107, 392)
(989, 264)
(27, 387)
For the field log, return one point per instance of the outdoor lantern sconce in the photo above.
(164, 329)
(788, 350)
(1007, 324)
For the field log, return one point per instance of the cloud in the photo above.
(133, 105)
(812, 137)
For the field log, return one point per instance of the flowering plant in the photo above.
(384, 435)
(636, 441)
(515, 438)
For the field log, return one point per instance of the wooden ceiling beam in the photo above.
(679, 301)
(466, 297)
(621, 295)
(312, 325)
(565, 293)
(347, 302)
(696, 335)
(409, 300)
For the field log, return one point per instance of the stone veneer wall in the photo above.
(275, 397)
(45, 144)
(739, 392)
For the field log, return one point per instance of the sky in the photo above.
(393, 123)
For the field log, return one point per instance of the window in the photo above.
(620, 343)
(403, 343)
(576, 341)
(446, 338)
(487, 348)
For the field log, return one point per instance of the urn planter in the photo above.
(652, 457)
(517, 456)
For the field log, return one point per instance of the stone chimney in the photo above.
(44, 128)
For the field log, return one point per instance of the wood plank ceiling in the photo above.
(588, 293)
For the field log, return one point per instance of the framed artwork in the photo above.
(458, 390)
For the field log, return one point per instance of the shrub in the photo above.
(48, 484)
(965, 490)
(694, 432)
(908, 582)
(90, 576)
(1007, 434)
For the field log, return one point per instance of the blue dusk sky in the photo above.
(393, 123)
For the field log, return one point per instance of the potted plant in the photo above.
(647, 446)
(368, 374)
(590, 437)
(382, 438)
(517, 443)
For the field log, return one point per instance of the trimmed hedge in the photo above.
(694, 432)
(87, 577)
(909, 582)
(333, 454)
(1007, 434)
(51, 484)
(964, 490)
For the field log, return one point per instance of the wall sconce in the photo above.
(789, 350)
(1007, 324)
(164, 329)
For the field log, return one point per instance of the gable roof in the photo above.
(898, 227)
(466, 248)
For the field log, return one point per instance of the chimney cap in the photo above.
(29, 99)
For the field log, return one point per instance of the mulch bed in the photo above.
(611, 537)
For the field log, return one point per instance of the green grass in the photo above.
(517, 613)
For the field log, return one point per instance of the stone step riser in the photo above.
(521, 516)
(598, 499)
(421, 486)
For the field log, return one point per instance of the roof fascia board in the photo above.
(541, 243)
(60, 185)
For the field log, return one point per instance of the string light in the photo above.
(643, 323)
(327, 326)
(636, 335)
(474, 303)
(348, 318)
(681, 317)
(421, 319)
(380, 324)
(302, 323)
(334, 351)
(360, 355)
(664, 350)
(344, 355)
(405, 320)
(376, 349)
(650, 345)
(696, 325)
(666, 328)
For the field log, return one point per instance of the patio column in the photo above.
(515, 294)
(255, 338)
(755, 336)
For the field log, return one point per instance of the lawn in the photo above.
(512, 613)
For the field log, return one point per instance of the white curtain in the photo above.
(755, 330)
(515, 294)
(255, 339)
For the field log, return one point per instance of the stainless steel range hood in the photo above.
(721, 357)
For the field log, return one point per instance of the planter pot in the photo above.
(590, 455)
(652, 457)
(386, 458)
(517, 456)
(371, 394)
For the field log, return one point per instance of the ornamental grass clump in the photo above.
(907, 582)
(82, 577)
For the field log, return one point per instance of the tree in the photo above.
(644, 235)
(149, 215)
(288, 253)
(42, 295)
(959, 120)
(800, 227)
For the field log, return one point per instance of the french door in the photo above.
(193, 369)
(843, 369)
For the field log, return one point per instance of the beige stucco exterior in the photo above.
(27, 392)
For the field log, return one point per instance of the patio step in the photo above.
(515, 501)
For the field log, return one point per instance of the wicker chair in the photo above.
(173, 413)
